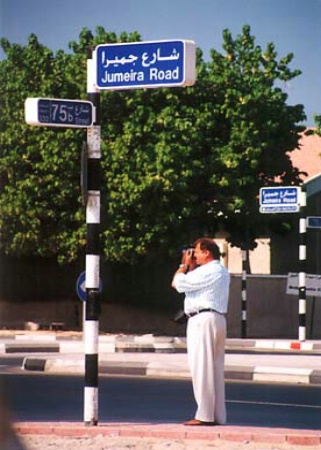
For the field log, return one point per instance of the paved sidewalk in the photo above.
(217, 434)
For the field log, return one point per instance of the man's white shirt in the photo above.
(207, 286)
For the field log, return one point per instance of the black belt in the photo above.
(204, 310)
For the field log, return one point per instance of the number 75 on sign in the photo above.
(59, 112)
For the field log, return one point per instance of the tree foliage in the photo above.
(39, 171)
(177, 163)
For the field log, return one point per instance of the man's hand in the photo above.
(188, 263)
(189, 260)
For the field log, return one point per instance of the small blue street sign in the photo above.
(145, 64)
(81, 286)
(314, 222)
(283, 199)
(59, 112)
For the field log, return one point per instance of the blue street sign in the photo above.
(145, 64)
(314, 222)
(81, 286)
(59, 112)
(279, 199)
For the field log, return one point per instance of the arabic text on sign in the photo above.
(146, 59)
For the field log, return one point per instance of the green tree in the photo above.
(260, 129)
(41, 211)
(39, 168)
(176, 162)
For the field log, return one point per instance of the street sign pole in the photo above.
(244, 294)
(119, 66)
(302, 265)
(291, 199)
(91, 324)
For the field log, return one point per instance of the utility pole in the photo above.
(302, 264)
(92, 309)
(244, 293)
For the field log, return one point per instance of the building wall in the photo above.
(271, 312)
(259, 258)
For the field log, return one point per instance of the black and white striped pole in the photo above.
(92, 310)
(302, 264)
(244, 294)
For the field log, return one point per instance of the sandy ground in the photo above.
(122, 443)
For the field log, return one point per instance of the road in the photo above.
(43, 397)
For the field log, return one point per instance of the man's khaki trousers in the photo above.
(206, 334)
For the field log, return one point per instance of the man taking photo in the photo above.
(205, 283)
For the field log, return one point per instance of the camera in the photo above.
(188, 247)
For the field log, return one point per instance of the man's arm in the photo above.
(181, 269)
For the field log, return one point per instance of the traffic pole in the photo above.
(244, 294)
(302, 264)
(92, 308)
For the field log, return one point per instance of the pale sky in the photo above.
(294, 26)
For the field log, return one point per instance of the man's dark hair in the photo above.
(210, 245)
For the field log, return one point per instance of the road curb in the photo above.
(152, 369)
(142, 344)
(31, 348)
(174, 431)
